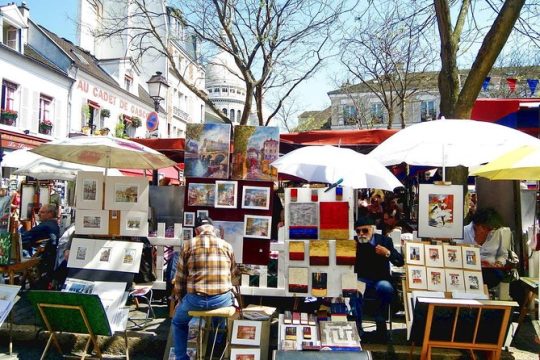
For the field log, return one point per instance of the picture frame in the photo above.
(26, 206)
(256, 197)
(226, 194)
(436, 279)
(187, 234)
(113, 255)
(257, 226)
(202, 213)
(126, 193)
(440, 211)
(297, 279)
(133, 223)
(189, 218)
(454, 280)
(246, 332)
(89, 190)
(434, 255)
(452, 256)
(471, 258)
(92, 222)
(416, 277)
(232, 232)
(474, 282)
(207, 150)
(201, 194)
(245, 354)
(414, 253)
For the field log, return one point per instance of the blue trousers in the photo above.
(180, 321)
(384, 292)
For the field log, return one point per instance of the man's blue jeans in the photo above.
(180, 321)
(384, 291)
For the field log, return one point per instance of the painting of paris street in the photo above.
(207, 150)
(255, 147)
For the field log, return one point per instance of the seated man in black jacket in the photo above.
(49, 231)
(374, 253)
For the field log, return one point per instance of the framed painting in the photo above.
(245, 354)
(416, 277)
(255, 148)
(257, 226)
(436, 279)
(319, 284)
(348, 284)
(189, 218)
(298, 280)
(200, 194)
(126, 193)
(89, 190)
(207, 150)
(434, 255)
(246, 332)
(226, 194)
(452, 256)
(202, 213)
(471, 258)
(256, 197)
(92, 222)
(454, 280)
(474, 282)
(440, 211)
(187, 234)
(232, 232)
(414, 253)
(345, 252)
(26, 206)
(296, 251)
(319, 253)
(133, 223)
(334, 220)
(303, 220)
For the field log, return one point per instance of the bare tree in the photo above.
(385, 51)
(275, 44)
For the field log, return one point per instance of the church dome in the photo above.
(222, 70)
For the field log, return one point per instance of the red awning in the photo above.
(170, 173)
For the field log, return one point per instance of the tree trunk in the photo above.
(248, 103)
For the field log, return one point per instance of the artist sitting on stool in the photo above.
(374, 253)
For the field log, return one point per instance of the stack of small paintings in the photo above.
(453, 268)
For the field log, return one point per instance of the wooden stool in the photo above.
(226, 314)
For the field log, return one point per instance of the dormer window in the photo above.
(128, 81)
(12, 35)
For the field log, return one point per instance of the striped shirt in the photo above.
(205, 265)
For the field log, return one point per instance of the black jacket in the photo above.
(371, 266)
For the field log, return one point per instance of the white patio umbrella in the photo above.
(19, 158)
(49, 169)
(450, 143)
(104, 151)
(329, 164)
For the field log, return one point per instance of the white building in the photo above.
(181, 105)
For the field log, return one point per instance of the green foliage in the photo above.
(85, 109)
(105, 113)
(119, 130)
(136, 122)
(241, 137)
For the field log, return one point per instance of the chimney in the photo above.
(25, 11)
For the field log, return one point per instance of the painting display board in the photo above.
(111, 255)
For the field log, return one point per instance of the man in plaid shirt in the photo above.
(203, 279)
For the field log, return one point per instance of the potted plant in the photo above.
(136, 122)
(105, 113)
(45, 126)
(85, 109)
(103, 131)
(8, 116)
(119, 129)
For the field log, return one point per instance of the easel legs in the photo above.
(52, 338)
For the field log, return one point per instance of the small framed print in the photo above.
(436, 279)
(471, 258)
(133, 223)
(129, 256)
(189, 218)
(416, 277)
(246, 332)
(440, 211)
(257, 226)
(126, 193)
(199, 194)
(474, 282)
(226, 194)
(245, 354)
(81, 253)
(434, 255)
(202, 213)
(452, 256)
(89, 190)
(256, 197)
(92, 222)
(414, 252)
(187, 234)
(454, 280)
(105, 254)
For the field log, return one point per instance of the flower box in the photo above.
(45, 127)
(8, 117)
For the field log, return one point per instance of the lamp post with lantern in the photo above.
(157, 88)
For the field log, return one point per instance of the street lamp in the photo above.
(157, 88)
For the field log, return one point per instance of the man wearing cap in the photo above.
(374, 253)
(203, 279)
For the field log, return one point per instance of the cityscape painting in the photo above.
(255, 147)
(207, 150)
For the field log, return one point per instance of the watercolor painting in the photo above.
(207, 150)
(255, 147)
